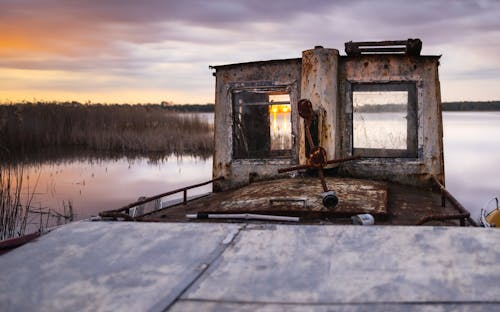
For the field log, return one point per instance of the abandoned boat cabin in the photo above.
(326, 136)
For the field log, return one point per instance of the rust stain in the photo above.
(391, 203)
(356, 196)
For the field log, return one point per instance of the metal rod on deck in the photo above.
(246, 216)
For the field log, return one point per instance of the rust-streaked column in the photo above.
(319, 85)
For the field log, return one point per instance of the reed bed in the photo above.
(17, 212)
(13, 214)
(28, 128)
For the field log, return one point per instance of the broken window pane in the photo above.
(384, 120)
(262, 124)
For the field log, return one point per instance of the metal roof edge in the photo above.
(255, 63)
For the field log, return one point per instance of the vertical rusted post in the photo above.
(185, 196)
(322, 178)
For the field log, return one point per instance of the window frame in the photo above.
(262, 88)
(412, 119)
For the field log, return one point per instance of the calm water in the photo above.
(472, 155)
(96, 186)
(472, 152)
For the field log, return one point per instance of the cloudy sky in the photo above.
(131, 51)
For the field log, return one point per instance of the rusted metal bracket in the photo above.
(409, 47)
(317, 158)
(301, 201)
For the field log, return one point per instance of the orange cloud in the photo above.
(104, 48)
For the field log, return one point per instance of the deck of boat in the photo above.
(177, 266)
(390, 203)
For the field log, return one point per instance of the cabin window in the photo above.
(262, 124)
(384, 120)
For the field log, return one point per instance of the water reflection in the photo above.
(472, 151)
(379, 119)
(102, 185)
(280, 127)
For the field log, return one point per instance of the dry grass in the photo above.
(28, 128)
(13, 214)
(17, 214)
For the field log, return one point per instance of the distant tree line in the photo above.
(380, 108)
(447, 106)
(201, 108)
(209, 108)
(471, 106)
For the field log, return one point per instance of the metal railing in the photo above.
(123, 211)
(463, 214)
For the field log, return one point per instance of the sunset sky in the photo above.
(157, 50)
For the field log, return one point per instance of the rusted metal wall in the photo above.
(421, 70)
(280, 73)
(320, 86)
(326, 78)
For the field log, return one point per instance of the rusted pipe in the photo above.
(299, 167)
(334, 161)
(340, 160)
(322, 179)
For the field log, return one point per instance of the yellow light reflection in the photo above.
(284, 108)
(280, 126)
